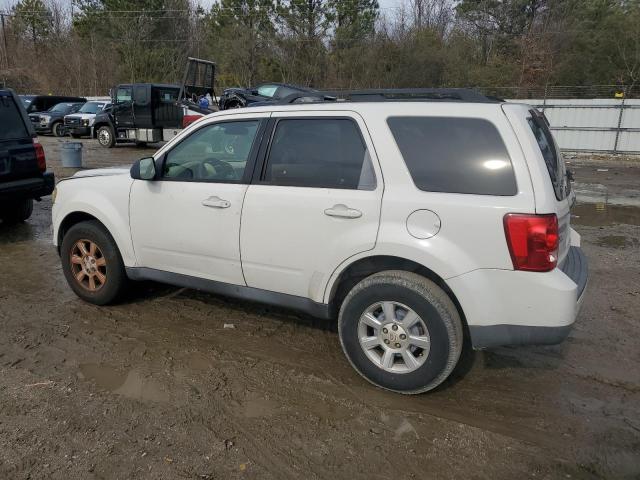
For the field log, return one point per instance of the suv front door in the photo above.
(188, 220)
(315, 202)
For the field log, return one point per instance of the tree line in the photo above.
(87, 46)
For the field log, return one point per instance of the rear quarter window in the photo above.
(552, 158)
(11, 122)
(454, 155)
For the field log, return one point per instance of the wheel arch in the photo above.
(100, 124)
(77, 216)
(364, 267)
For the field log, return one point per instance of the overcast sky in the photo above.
(384, 4)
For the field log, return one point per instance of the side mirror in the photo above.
(144, 169)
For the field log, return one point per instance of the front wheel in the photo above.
(106, 138)
(401, 331)
(92, 263)
(58, 129)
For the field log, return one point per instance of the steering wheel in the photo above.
(224, 171)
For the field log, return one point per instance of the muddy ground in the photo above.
(158, 388)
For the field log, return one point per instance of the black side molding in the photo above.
(300, 304)
(487, 336)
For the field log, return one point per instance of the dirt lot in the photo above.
(157, 388)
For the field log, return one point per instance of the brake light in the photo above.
(40, 158)
(532, 241)
(189, 119)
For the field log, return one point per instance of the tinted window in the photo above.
(286, 91)
(554, 163)
(322, 153)
(216, 152)
(11, 122)
(456, 155)
(123, 94)
(140, 94)
(168, 96)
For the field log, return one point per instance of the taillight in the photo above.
(532, 241)
(40, 158)
(189, 119)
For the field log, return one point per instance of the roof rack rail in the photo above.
(413, 95)
(392, 95)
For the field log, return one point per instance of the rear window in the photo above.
(454, 155)
(11, 122)
(552, 159)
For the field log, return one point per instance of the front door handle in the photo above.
(216, 202)
(342, 211)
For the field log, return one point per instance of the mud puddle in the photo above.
(603, 214)
(130, 384)
(599, 193)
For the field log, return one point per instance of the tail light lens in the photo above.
(532, 241)
(189, 119)
(40, 158)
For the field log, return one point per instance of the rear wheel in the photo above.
(401, 331)
(92, 263)
(105, 136)
(16, 211)
(58, 129)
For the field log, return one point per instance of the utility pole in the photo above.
(4, 37)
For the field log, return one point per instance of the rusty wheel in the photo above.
(88, 265)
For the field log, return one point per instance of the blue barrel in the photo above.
(72, 154)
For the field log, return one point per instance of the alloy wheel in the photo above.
(394, 337)
(88, 265)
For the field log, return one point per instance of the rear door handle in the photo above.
(216, 202)
(342, 211)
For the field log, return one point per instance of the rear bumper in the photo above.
(522, 308)
(28, 187)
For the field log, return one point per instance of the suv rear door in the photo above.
(314, 202)
(17, 153)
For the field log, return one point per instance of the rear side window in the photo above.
(454, 155)
(547, 145)
(320, 153)
(11, 122)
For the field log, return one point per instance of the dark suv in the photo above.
(23, 174)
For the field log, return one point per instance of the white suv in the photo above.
(420, 224)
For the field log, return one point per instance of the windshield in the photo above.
(92, 107)
(267, 90)
(61, 107)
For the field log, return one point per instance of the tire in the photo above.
(106, 137)
(107, 260)
(438, 329)
(16, 211)
(58, 129)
